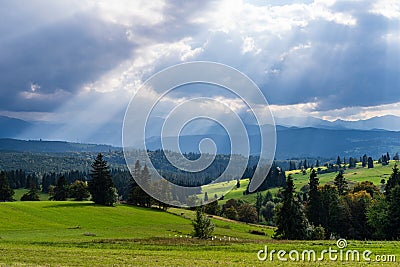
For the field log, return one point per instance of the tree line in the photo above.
(335, 210)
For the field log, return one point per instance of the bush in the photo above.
(231, 213)
(79, 190)
(247, 213)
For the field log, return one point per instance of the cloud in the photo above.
(322, 58)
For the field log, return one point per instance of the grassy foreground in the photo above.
(81, 234)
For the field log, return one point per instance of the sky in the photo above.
(74, 65)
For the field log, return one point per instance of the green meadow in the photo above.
(69, 233)
(353, 176)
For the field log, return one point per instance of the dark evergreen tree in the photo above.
(364, 161)
(393, 180)
(6, 192)
(32, 194)
(137, 195)
(101, 186)
(314, 200)
(370, 163)
(290, 219)
(396, 157)
(61, 190)
(205, 197)
(341, 183)
(317, 164)
(268, 197)
(338, 162)
(387, 156)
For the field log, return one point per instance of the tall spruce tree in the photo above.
(101, 186)
(314, 200)
(6, 193)
(290, 219)
(137, 196)
(370, 163)
(341, 183)
(393, 180)
(338, 162)
(259, 202)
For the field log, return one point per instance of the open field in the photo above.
(80, 233)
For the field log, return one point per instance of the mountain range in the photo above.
(387, 122)
(296, 138)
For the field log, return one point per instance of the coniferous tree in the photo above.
(268, 197)
(203, 227)
(370, 163)
(205, 197)
(259, 202)
(6, 192)
(146, 180)
(314, 200)
(338, 162)
(32, 194)
(101, 186)
(61, 190)
(290, 219)
(137, 195)
(393, 180)
(340, 183)
(364, 161)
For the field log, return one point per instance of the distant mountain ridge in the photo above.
(8, 144)
(387, 122)
(303, 142)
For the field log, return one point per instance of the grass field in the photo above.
(82, 234)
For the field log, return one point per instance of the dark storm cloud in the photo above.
(343, 67)
(59, 58)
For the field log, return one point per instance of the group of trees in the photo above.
(100, 186)
(335, 210)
